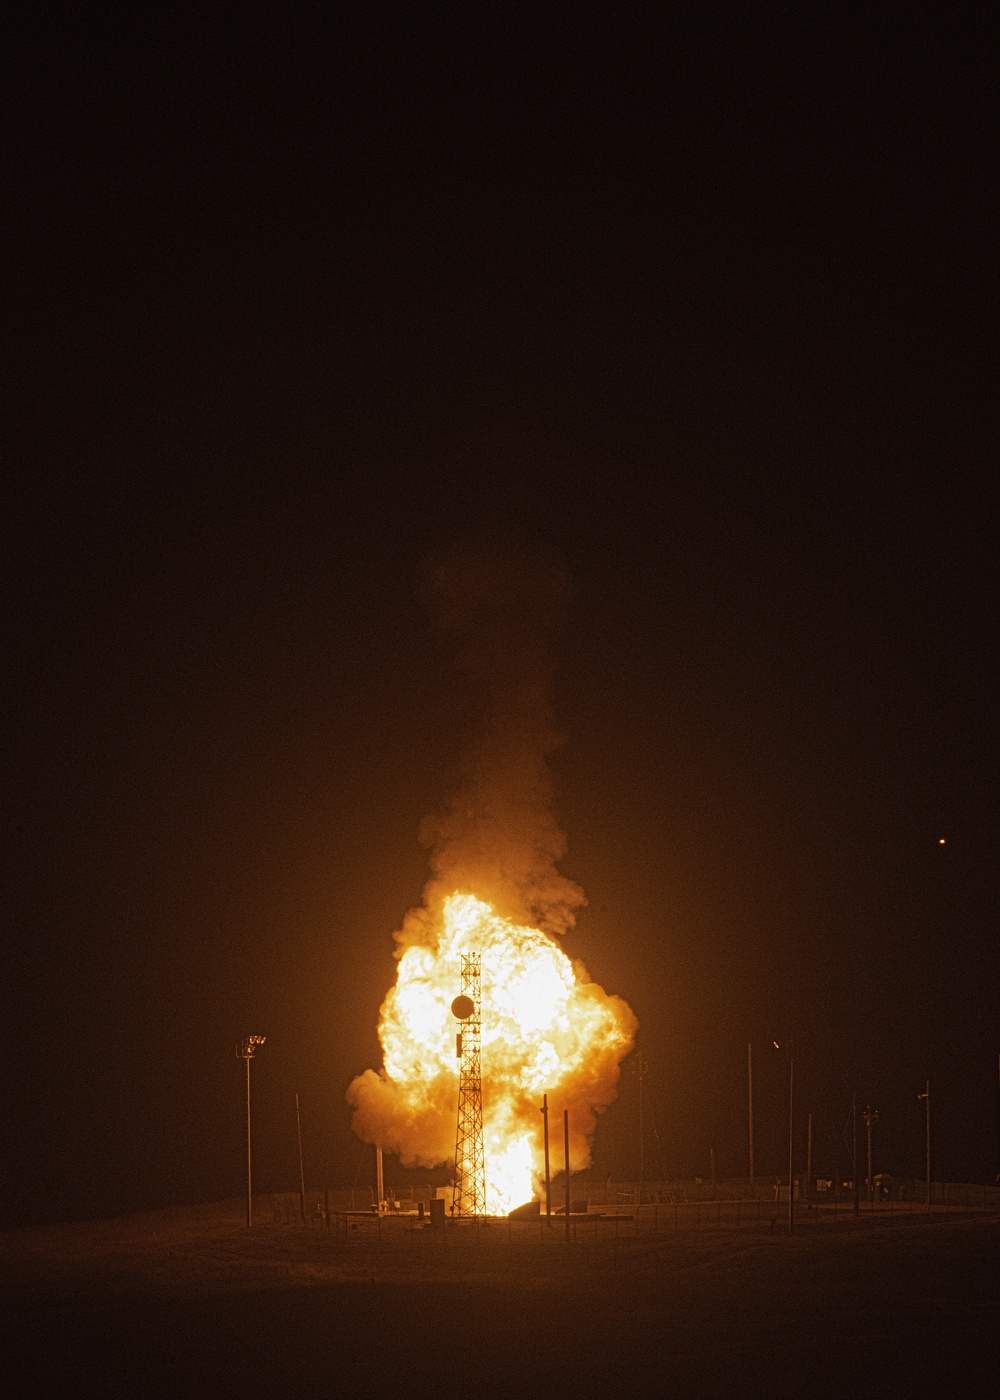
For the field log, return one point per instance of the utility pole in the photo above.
(854, 1153)
(791, 1140)
(809, 1157)
(790, 1046)
(548, 1185)
(926, 1096)
(642, 1070)
(871, 1115)
(245, 1051)
(566, 1151)
(750, 1105)
(302, 1175)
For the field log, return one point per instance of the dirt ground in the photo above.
(191, 1303)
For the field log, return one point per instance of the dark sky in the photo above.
(709, 312)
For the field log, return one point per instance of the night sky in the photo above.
(708, 312)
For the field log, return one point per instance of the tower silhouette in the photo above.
(470, 1160)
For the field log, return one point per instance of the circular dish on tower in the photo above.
(462, 1008)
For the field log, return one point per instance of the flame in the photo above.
(546, 1028)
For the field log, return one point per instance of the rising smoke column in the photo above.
(496, 845)
(499, 835)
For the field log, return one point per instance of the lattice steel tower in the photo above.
(470, 1159)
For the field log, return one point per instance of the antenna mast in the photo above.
(470, 1159)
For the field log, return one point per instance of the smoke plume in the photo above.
(497, 839)
(498, 834)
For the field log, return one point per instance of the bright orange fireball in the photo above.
(546, 1028)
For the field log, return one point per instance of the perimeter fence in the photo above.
(409, 1221)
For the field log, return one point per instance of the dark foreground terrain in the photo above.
(190, 1303)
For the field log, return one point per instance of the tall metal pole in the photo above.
(809, 1158)
(791, 1140)
(641, 1159)
(926, 1096)
(249, 1190)
(302, 1175)
(871, 1115)
(548, 1183)
(245, 1050)
(750, 1105)
(854, 1153)
(566, 1154)
(930, 1187)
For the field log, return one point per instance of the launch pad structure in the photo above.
(470, 1161)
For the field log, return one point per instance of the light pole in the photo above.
(302, 1174)
(545, 1127)
(871, 1114)
(246, 1052)
(808, 1191)
(641, 1071)
(566, 1151)
(750, 1106)
(791, 1134)
(926, 1096)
